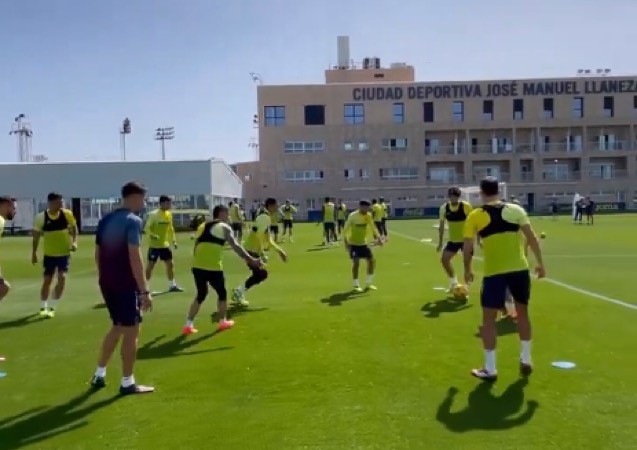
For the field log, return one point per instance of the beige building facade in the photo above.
(371, 131)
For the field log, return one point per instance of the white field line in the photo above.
(548, 280)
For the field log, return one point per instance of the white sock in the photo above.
(100, 372)
(54, 303)
(189, 323)
(356, 284)
(173, 282)
(128, 381)
(489, 361)
(242, 289)
(453, 281)
(369, 279)
(525, 355)
(44, 304)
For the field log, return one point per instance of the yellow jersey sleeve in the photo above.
(442, 213)
(348, 224)
(70, 218)
(471, 225)
(200, 229)
(171, 226)
(1, 226)
(150, 222)
(515, 214)
(39, 222)
(467, 207)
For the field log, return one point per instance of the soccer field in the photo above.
(309, 366)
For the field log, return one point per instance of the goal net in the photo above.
(471, 194)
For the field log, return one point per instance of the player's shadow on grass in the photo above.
(38, 424)
(318, 248)
(503, 327)
(175, 347)
(339, 298)
(433, 310)
(233, 311)
(485, 411)
(21, 322)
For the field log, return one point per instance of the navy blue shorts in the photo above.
(495, 287)
(360, 252)
(54, 264)
(274, 229)
(164, 254)
(287, 224)
(123, 306)
(237, 226)
(453, 247)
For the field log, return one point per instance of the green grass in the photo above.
(311, 367)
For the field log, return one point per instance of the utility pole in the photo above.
(163, 134)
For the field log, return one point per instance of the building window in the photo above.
(303, 176)
(518, 109)
(578, 107)
(363, 146)
(398, 111)
(274, 116)
(487, 109)
(364, 174)
(303, 147)
(548, 108)
(428, 112)
(314, 114)
(310, 203)
(609, 106)
(398, 173)
(354, 113)
(458, 111)
(635, 103)
(443, 175)
(397, 144)
(348, 146)
(350, 174)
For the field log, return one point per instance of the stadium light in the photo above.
(256, 77)
(164, 134)
(22, 130)
(126, 129)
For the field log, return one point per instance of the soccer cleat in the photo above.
(484, 375)
(51, 313)
(136, 389)
(175, 288)
(2, 358)
(358, 289)
(526, 369)
(189, 329)
(225, 325)
(98, 382)
(371, 287)
(44, 312)
(238, 297)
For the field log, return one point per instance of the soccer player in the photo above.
(57, 227)
(358, 224)
(275, 218)
(7, 212)
(287, 211)
(377, 216)
(383, 220)
(207, 266)
(505, 268)
(124, 287)
(454, 213)
(341, 216)
(579, 211)
(258, 237)
(161, 231)
(236, 221)
(590, 211)
(328, 213)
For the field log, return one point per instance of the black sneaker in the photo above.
(98, 382)
(526, 369)
(484, 375)
(175, 289)
(136, 389)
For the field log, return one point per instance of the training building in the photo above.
(372, 131)
(92, 189)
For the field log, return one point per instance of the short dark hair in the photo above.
(6, 199)
(374, 201)
(364, 203)
(217, 210)
(54, 196)
(270, 201)
(489, 186)
(454, 191)
(327, 199)
(381, 199)
(164, 199)
(133, 188)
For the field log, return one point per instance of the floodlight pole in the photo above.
(163, 134)
(126, 129)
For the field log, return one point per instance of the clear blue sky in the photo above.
(78, 67)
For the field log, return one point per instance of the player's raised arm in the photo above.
(238, 249)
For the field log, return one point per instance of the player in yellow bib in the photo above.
(358, 225)
(57, 227)
(341, 216)
(255, 244)
(207, 266)
(161, 232)
(328, 214)
(287, 211)
(383, 220)
(236, 220)
(502, 228)
(377, 216)
(7, 212)
(452, 215)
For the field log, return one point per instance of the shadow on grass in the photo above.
(318, 248)
(503, 327)
(485, 411)
(234, 311)
(433, 310)
(38, 424)
(338, 298)
(21, 322)
(175, 347)
(100, 306)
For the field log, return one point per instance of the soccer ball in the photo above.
(460, 292)
(542, 235)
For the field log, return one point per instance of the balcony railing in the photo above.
(480, 175)
(525, 148)
(571, 147)
(441, 181)
(614, 174)
(571, 175)
(527, 176)
(445, 150)
(609, 146)
(490, 149)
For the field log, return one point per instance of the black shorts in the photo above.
(237, 226)
(124, 307)
(274, 229)
(52, 264)
(163, 254)
(453, 247)
(360, 252)
(287, 224)
(341, 223)
(495, 287)
(329, 227)
(213, 278)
